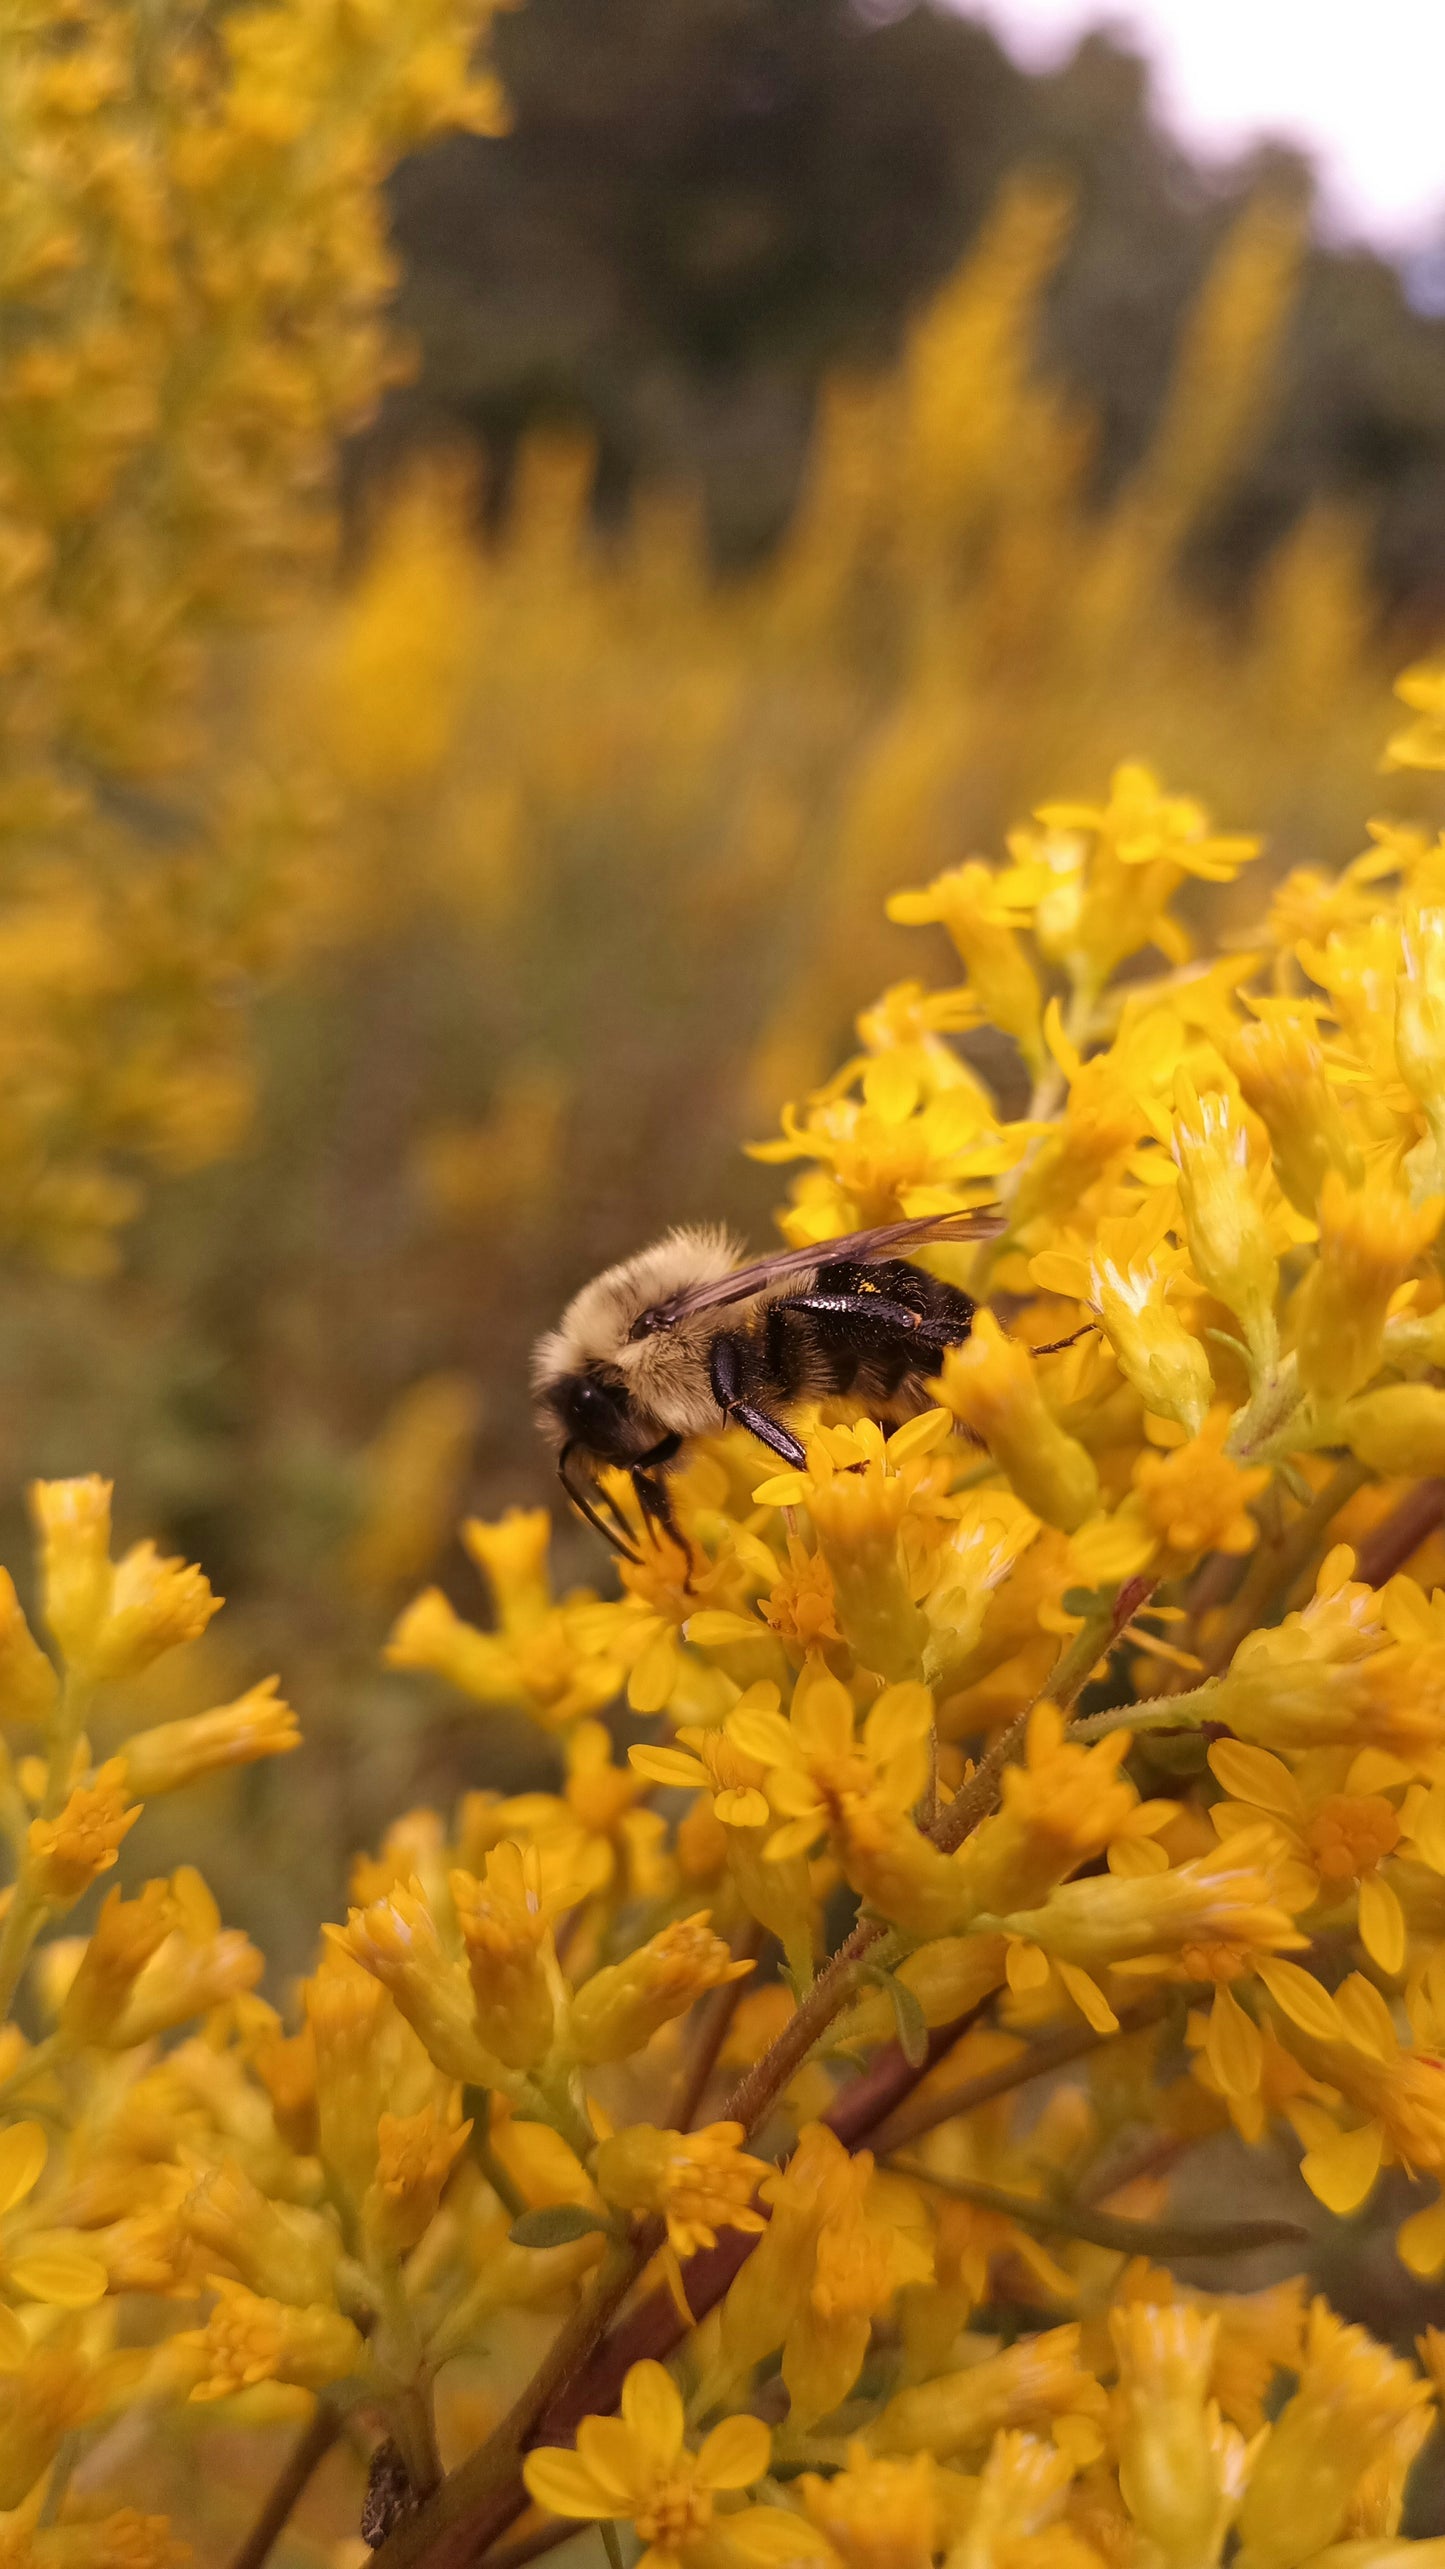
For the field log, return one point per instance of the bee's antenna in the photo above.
(1056, 1346)
(584, 1506)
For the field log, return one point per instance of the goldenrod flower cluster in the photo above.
(1034, 1791)
(194, 270)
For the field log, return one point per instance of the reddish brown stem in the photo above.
(1403, 1531)
(311, 2448)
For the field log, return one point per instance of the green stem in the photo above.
(1106, 2229)
(1156, 1713)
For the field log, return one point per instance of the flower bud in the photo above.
(1180, 2473)
(28, 1683)
(1370, 1238)
(250, 2339)
(1280, 1065)
(258, 1724)
(126, 1934)
(505, 1928)
(280, 2249)
(415, 2156)
(1228, 1235)
(396, 1939)
(1398, 1429)
(154, 1606)
(960, 2413)
(1351, 2392)
(701, 2181)
(72, 1519)
(991, 1386)
(83, 1840)
(621, 2007)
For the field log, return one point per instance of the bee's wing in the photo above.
(790, 1262)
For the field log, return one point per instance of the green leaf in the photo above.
(556, 2225)
(611, 2543)
(1225, 1338)
(1295, 1482)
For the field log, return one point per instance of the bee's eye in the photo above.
(597, 1414)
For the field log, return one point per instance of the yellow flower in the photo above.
(981, 913)
(991, 1385)
(506, 1928)
(637, 2468)
(716, 1764)
(1195, 1500)
(396, 1939)
(1208, 1919)
(834, 2253)
(258, 1724)
(1351, 2392)
(1125, 1276)
(1370, 1238)
(702, 2182)
(72, 1519)
(36, 2263)
(1142, 825)
(415, 2155)
(550, 1669)
(1337, 1836)
(1182, 2473)
(1060, 1806)
(248, 2339)
(154, 1606)
(622, 2006)
(1219, 1193)
(1036, 2380)
(815, 1768)
(1280, 1064)
(125, 1936)
(878, 2514)
(1355, 1668)
(83, 1840)
(28, 1683)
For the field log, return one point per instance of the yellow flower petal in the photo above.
(14, 2344)
(920, 1435)
(64, 2276)
(712, 1628)
(1382, 1925)
(1341, 2172)
(1253, 1775)
(562, 2483)
(1232, 2046)
(1027, 1967)
(1088, 1997)
(761, 1734)
(1301, 1998)
(652, 2407)
(742, 1806)
(1367, 2017)
(1421, 2240)
(668, 1766)
(735, 2454)
(22, 2156)
(655, 1675)
(785, 1490)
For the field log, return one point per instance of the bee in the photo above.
(685, 1339)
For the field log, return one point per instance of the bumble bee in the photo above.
(682, 1339)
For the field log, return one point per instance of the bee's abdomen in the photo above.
(861, 1345)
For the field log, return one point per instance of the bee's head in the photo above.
(592, 1409)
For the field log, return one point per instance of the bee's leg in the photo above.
(875, 1310)
(725, 1371)
(1056, 1346)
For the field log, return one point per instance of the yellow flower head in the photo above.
(1370, 1238)
(702, 2182)
(154, 1606)
(83, 1840)
(258, 1724)
(415, 2155)
(878, 2514)
(1351, 2392)
(1195, 1499)
(622, 2006)
(817, 1770)
(506, 1923)
(248, 2339)
(991, 1385)
(72, 1519)
(637, 2468)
